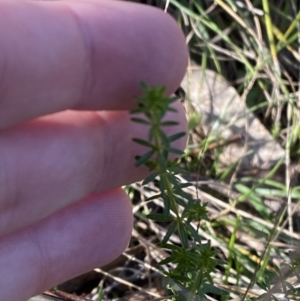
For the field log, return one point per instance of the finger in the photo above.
(51, 162)
(57, 55)
(68, 243)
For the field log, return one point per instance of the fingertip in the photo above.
(68, 243)
(142, 44)
(93, 57)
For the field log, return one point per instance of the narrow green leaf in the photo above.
(170, 231)
(166, 261)
(162, 186)
(194, 233)
(160, 217)
(256, 201)
(156, 196)
(180, 202)
(167, 203)
(142, 160)
(161, 161)
(151, 134)
(178, 278)
(169, 123)
(170, 247)
(173, 180)
(142, 142)
(140, 109)
(208, 288)
(177, 136)
(150, 178)
(164, 139)
(183, 235)
(262, 285)
(176, 151)
(140, 120)
(179, 170)
(185, 185)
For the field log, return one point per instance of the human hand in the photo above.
(61, 160)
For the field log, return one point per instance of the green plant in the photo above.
(254, 45)
(192, 259)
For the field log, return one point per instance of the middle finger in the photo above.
(53, 161)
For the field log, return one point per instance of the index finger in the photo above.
(87, 55)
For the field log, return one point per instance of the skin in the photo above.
(70, 71)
